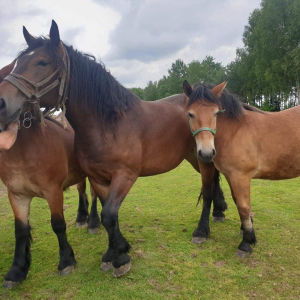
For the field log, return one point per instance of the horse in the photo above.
(244, 143)
(118, 137)
(41, 163)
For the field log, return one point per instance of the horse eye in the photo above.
(191, 115)
(43, 63)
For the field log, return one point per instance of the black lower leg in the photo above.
(203, 226)
(220, 204)
(22, 258)
(118, 246)
(65, 250)
(94, 220)
(82, 212)
(249, 238)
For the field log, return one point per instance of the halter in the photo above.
(213, 131)
(34, 97)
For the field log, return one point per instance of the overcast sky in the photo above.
(137, 40)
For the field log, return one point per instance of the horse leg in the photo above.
(201, 233)
(21, 263)
(241, 193)
(67, 260)
(93, 220)
(220, 204)
(82, 212)
(118, 246)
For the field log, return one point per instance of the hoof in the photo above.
(105, 266)
(93, 230)
(198, 240)
(8, 284)
(66, 271)
(242, 254)
(81, 224)
(218, 219)
(122, 270)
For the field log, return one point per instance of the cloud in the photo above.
(138, 40)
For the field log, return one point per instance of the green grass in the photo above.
(161, 211)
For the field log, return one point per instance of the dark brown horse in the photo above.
(248, 143)
(41, 163)
(118, 137)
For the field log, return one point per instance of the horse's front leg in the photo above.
(240, 186)
(219, 202)
(54, 197)
(201, 233)
(116, 254)
(20, 266)
(82, 212)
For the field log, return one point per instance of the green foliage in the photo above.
(266, 70)
(138, 91)
(206, 71)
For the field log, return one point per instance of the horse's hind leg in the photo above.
(93, 220)
(220, 204)
(20, 266)
(55, 200)
(240, 185)
(201, 233)
(82, 212)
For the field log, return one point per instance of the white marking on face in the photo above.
(30, 53)
(15, 65)
(207, 148)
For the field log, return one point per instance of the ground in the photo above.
(158, 218)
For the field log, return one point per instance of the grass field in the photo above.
(158, 218)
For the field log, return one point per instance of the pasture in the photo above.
(158, 218)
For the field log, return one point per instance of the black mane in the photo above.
(90, 83)
(234, 108)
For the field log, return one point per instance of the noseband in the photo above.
(213, 131)
(34, 97)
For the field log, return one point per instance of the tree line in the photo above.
(266, 70)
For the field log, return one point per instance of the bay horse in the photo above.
(244, 143)
(118, 137)
(39, 162)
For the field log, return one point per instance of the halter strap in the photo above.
(34, 97)
(194, 133)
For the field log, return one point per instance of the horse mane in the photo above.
(90, 83)
(253, 108)
(233, 106)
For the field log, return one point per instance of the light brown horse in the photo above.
(40, 162)
(248, 144)
(118, 137)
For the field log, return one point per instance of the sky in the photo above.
(137, 40)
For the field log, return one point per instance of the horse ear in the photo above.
(28, 37)
(218, 89)
(187, 89)
(54, 33)
(6, 70)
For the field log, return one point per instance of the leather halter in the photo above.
(213, 131)
(34, 97)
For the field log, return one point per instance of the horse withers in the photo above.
(118, 137)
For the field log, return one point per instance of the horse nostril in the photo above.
(214, 152)
(199, 153)
(2, 104)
